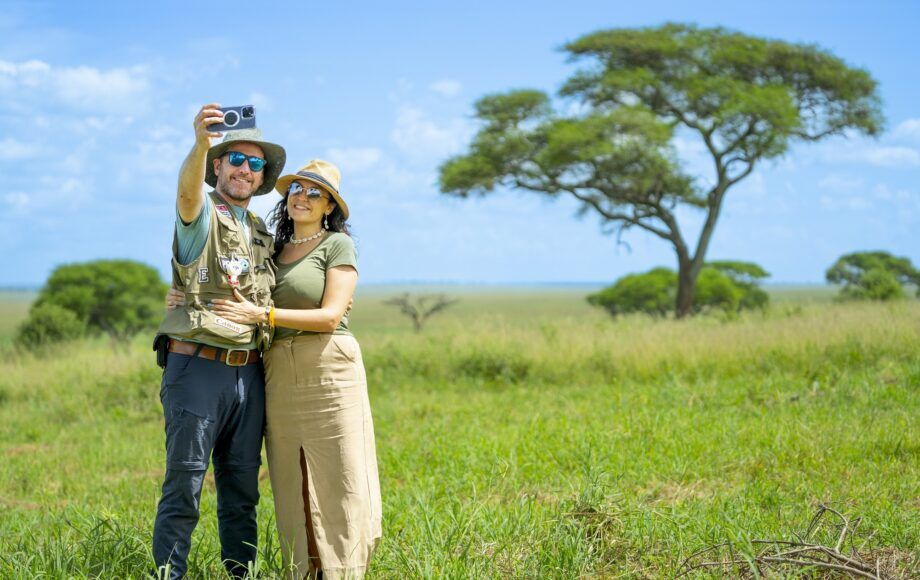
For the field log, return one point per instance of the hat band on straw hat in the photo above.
(317, 178)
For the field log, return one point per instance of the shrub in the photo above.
(874, 284)
(117, 297)
(715, 290)
(653, 292)
(873, 276)
(726, 286)
(48, 323)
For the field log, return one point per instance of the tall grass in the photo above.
(515, 442)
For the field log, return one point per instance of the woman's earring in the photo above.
(326, 221)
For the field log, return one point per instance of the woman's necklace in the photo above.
(308, 238)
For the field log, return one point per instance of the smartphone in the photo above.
(235, 118)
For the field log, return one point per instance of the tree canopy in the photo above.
(747, 99)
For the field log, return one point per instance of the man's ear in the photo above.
(216, 165)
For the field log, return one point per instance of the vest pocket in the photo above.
(209, 323)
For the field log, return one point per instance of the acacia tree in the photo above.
(747, 99)
(420, 308)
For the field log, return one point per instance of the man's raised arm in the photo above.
(189, 197)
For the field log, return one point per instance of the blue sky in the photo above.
(98, 98)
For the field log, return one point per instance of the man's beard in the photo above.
(223, 188)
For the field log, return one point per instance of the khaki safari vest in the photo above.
(206, 278)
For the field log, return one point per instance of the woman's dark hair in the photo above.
(284, 225)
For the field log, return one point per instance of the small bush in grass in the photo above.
(49, 323)
(873, 276)
(653, 292)
(118, 298)
(876, 284)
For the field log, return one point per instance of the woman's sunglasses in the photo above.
(236, 159)
(312, 193)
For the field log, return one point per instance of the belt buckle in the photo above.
(241, 359)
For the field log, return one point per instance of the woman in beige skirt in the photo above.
(319, 434)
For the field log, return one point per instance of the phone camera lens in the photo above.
(231, 118)
(248, 112)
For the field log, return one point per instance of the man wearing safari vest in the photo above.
(213, 389)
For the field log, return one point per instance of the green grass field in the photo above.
(523, 434)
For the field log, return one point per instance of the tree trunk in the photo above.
(686, 288)
(689, 269)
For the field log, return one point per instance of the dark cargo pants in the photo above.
(211, 409)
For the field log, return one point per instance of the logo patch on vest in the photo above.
(223, 210)
(225, 263)
(237, 328)
(203, 275)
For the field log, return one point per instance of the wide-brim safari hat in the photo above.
(274, 157)
(322, 173)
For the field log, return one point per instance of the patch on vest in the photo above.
(237, 328)
(203, 275)
(225, 262)
(223, 210)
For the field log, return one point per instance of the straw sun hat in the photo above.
(322, 173)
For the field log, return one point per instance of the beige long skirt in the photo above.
(319, 432)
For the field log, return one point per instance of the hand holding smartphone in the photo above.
(235, 118)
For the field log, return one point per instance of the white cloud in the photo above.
(868, 152)
(892, 156)
(164, 132)
(82, 87)
(839, 182)
(157, 159)
(13, 150)
(885, 193)
(18, 200)
(260, 101)
(425, 140)
(374, 174)
(88, 87)
(908, 129)
(844, 202)
(354, 159)
(51, 194)
(446, 87)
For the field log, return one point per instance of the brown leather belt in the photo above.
(231, 357)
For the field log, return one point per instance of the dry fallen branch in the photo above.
(784, 556)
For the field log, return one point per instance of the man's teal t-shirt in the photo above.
(193, 236)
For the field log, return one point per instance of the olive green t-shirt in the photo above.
(300, 284)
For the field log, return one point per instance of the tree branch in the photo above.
(633, 220)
